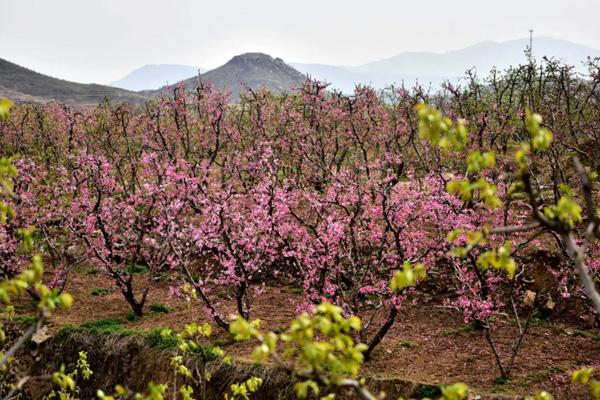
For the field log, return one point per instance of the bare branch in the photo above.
(584, 274)
(516, 228)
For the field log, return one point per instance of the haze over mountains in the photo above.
(434, 68)
(261, 70)
(152, 76)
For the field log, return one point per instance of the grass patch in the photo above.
(159, 308)
(296, 290)
(113, 326)
(501, 380)
(103, 326)
(132, 317)
(93, 271)
(207, 352)
(500, 383)
(131, 331)
(538, 319)
(100, 291)
(155, 339)
(497, 389)
(26, 319)
(65, 331)
(587, 334)
(429, 391)
(138, 269)
(408, 344)
(540, 375)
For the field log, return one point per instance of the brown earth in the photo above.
(428, 344)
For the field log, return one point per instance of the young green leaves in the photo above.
(567, 211)
(583, 376)
(319, 346)
(467, 189)
(440, 130)
(540, 396)
(243, 390)
(408, 276)
(5, 106)
(66, 382)
(156, 391)
(499, 259)
(541, 138)
(188, 343)
(496, 258)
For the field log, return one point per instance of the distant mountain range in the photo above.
(254, 69)
(433, 68)
(346, 78)
(151, 77)
(261, 70)
(425, 67)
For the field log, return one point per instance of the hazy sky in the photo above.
(102, 40)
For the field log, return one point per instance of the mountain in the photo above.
(482, 56)
(255, 70)
(261, 70)
(345, 78)
(151, 77)
(341, 77)
(433, 68)
(21, 84)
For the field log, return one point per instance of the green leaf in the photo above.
(5, 106)
(582, 375)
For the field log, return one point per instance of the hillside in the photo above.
(255, 70)
(22, 84)
(152, 77)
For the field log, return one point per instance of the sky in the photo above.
(103, 40)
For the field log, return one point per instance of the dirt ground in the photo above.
(428, 343)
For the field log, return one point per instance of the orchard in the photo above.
(479, 200)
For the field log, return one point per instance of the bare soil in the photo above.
(428, 343)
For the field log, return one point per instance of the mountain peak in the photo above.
(255, 58)
(255, 70)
